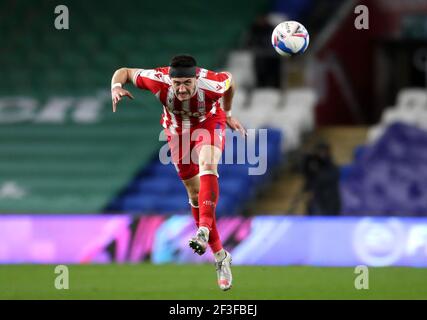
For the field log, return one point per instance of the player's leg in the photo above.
(209, 157)
(207, 199)
(188, 170)
(208, 148)
(192, 186)
(222, 257)
(180, 146)
(200, 241)
(207, 231)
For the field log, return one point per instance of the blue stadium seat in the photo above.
(345, 171)
(152, 185)
(233, 170)
(234, 187)
(359, 151)
(159, 189)
(172, 204)
(388, 177)
(158, 185)
(226, 206)
(160, 170)
(138, 203)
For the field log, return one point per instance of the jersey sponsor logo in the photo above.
(187, 113)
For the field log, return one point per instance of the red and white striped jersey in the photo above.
(178, 115)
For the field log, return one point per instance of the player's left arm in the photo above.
(232, 122)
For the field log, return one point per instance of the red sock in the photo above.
(214, 240)
(208, 198)
(195, 212)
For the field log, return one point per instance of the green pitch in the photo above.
(147, 281)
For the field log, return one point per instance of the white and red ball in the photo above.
(290, 38)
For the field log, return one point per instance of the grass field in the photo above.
(147, 281)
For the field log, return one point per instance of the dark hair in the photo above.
(183, 61)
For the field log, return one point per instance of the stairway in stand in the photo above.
(284, 194)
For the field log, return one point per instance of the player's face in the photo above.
(184, 88)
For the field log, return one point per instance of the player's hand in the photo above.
(116, 95)
(234, 124)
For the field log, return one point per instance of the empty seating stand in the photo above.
(75, 167)
(291, 111)
(410, 108)
(387, 175)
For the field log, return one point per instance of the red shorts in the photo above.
(185, 147)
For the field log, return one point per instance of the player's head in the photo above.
(182, 72)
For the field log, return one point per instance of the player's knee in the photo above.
(206, 166)
(209, 158)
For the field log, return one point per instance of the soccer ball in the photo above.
(290, 38)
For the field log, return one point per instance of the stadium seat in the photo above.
(240, 64)
(392, 115)
(137, 203)
(375, 133)
(239, 101)
(300, 98)
(411, 108)
(265, 97)
(383, 181)
(227, 206)
(159, 185)
(412, 97)
(358, 152)
(172, 204)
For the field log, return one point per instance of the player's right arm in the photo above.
(120, 78)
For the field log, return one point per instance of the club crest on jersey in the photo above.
(200, 105)
(187, 113)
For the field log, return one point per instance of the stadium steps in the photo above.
(343, 140)
(284, 194)
(280, 197)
